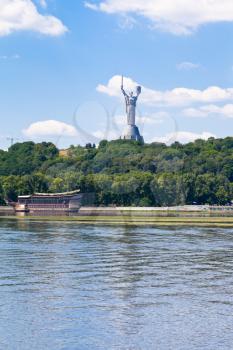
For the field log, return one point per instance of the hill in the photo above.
(123, 172)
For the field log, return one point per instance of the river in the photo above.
(65, 286)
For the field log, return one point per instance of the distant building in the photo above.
(47, 202)
(64, 153)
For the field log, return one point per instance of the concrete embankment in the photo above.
(172, 216)
(6, 210)
(130, 211)
(152, 211)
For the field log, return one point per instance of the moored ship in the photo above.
(66, 202)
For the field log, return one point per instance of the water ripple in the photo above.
(65, 286)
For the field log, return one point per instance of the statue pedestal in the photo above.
(132, 133)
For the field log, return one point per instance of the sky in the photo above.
(61, 64)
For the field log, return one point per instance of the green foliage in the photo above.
(25, 158)
(123, 172)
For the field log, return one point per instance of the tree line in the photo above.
(123, 173)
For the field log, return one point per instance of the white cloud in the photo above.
(187, 66)
(127, 22)
(120, 120)
(50, 128)
(43, 3)
(91, 6)
(22, 15)
(110, 135)
(180, 17)
(182, 137)
(12, 57)
(15, 57)
(175, 97)
(152, 119)
(206, 111)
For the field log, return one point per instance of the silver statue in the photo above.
(131, 103)
(132, 132)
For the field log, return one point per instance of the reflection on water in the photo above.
(68, 287)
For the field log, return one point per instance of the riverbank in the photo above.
(128, 211)
(131, 216)
(197, 221)
(6, 210)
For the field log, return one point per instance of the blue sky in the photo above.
(60, 67)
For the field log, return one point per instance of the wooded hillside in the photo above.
(124, 172)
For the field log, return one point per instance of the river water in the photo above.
(64, 286)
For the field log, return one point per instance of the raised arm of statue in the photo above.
(123, 91)
(122, 87)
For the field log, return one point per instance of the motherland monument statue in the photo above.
(132, 132)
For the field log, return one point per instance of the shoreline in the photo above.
(131, 221)
(115, 211)
(199, 216)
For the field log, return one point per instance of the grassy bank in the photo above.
(133, 221)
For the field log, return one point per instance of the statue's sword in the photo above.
(122, 87)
